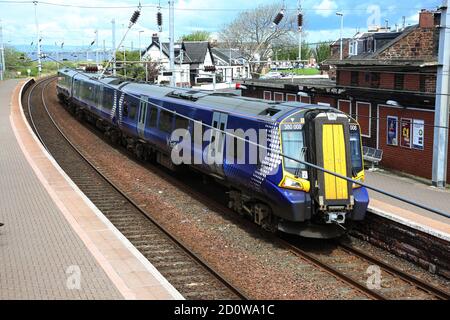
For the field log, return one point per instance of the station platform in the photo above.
(55, 243)
(404, 213)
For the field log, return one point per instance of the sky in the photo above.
(75, 26)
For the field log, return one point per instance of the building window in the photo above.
(305, 99)
(291, 97)
(354, 78)
(363, 114)
(344, 106)
(279, 96)
(353, 49)
(375, 80)
(399, 80)
(267, 95)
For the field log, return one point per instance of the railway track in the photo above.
(340, 260)
(185, 270)
(350, 265)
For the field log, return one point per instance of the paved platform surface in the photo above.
(55, 243)
(39, 251)
(410, 189)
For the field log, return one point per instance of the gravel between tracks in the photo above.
(243, 254)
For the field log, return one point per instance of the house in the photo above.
(191, 57)
(388, 84)
(230, 64)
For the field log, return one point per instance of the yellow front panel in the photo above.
(334, 160)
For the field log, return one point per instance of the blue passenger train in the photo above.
(278, 192)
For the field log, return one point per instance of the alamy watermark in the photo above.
(373, 281)
(73, 281)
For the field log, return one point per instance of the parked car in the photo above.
(272, 75)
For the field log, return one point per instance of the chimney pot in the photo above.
(426, 19)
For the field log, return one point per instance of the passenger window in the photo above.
(108, 99)
(125, 108)
(132, 111)
(181, 123)
(165, 121)
(151, 120)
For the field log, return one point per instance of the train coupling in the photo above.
(335, 217)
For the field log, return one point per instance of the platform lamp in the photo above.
(341, 14)
(393, 103)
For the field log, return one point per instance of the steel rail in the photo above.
(433, 290)
(332, 271)
(174, 239)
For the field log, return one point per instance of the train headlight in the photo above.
(359, 179)
(291, 182)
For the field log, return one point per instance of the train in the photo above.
(259, 150)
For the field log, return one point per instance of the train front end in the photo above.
(323, 202)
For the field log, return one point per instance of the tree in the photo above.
(322, 52)
(197, 36)
(254, 34)
(135, 70)
(291, 52)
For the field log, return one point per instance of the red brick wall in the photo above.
(363, 79)
(420, 43)
(387, 80)
(412, 82)
(416, 162)
(318, 98)
(344, 78)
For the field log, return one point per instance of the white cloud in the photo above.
(325, 8)
(315, 36)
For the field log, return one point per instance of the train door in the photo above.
(217, 142)
(142, 118)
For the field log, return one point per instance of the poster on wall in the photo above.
(418, 134)
(392, 131)
(405, 126)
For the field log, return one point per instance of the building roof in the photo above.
(300, 82)
(194, 52)
(382, 42)
(225, 54)
(197, 50)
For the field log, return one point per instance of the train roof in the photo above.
(220, 101)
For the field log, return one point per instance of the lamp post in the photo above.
(38, 39)
(2, 53)
(140, 48)
(340, 14)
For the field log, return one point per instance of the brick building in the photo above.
(388, 83)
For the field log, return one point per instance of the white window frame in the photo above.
(278, 93)
(309, 98)
(270, 95)
(350, 105)
(291, 95)
(370, 118)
